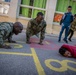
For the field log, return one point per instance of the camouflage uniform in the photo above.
(72, 29)
(6, 29)
(34, 28)
(73, 25)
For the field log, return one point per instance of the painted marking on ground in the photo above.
(34, 55)
(47, 44)
(16, 53)
(37, 63)
(15, 45)
(21, 42)
(63, 63)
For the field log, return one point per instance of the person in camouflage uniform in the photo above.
(35, 26)
(72, 28)
(7, 29)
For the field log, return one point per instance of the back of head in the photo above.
(62, 51)
(40, 13)
(69, 6)
(18, 24)
(17, 27)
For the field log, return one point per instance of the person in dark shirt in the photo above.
(66, 21)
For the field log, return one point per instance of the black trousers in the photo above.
(71, 33)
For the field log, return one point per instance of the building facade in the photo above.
(24, 10)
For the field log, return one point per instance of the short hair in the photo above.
(40, 13)
(69, 6)
(74, 15)
(62, 51)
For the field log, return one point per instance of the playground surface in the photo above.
(35, 59)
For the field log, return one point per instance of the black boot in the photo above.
(65, 41)
(69, 39)
(59, 40)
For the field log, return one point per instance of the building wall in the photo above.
(14, 10)
(50, 10)
(51, 6)
(11, 16)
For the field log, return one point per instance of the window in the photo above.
(4, 6)
(29, 8)
(61, 8)
(63, 4)
(73, 4)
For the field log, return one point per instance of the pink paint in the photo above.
(50, 46)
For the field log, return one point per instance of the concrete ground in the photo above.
(35, 59)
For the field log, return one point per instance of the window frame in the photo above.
(57, 23)
(32, 7)
(3, 2)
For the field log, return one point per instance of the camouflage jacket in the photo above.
(34, 28)
(6, 29)
(73, 25)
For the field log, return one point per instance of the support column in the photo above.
(51, 7)
(13, 8)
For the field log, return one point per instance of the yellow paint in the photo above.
(20, 42)
(63, 63)
(15, 53)
(15, 45)
(34, 55)
(18, 46)
(37, 63)
(47, 42)
(69, 67)
(61, 69)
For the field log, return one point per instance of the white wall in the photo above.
(13, 8)
(51, 6)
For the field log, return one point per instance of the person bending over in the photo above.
(7, 29)
(35, 26)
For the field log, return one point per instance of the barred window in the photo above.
(29, 8)
(63, 4)
(61, 8)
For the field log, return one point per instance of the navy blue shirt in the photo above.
(68, 18)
